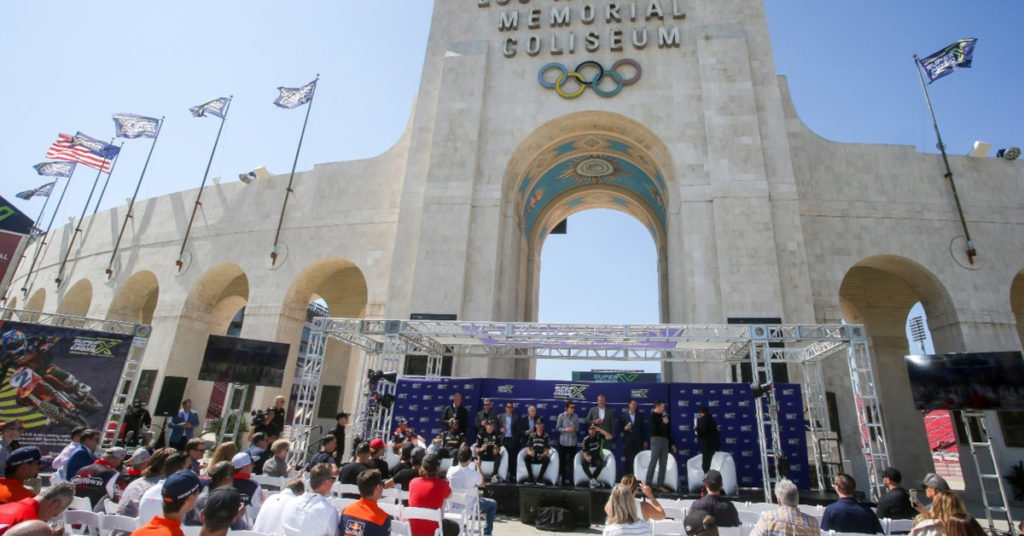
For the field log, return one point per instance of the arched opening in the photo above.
(602, 271)
(12, 303)
(880, 292)
(1017, 303)
(136, 299)
(336, 287)
(77, 299)
(580, 161)
(214, 301)
(37, 301)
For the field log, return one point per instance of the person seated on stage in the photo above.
(713, 503)
(451, 440)
(403, 432)
(846, 514)
(593, 453)
(538, 445)
(488, 447)
(650, 509)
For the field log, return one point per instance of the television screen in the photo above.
(985, 380)
(244, 361)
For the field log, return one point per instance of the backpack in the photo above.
(555, 519)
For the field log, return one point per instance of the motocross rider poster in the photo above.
(55, 378)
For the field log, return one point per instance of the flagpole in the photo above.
(22, 257)
(971, 251)
(280, 219)
(39, 248)
(131, 204)
(106, 182)
(78, 224)
(199, 195)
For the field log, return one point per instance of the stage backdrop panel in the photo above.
(732, 405)
(58, 378)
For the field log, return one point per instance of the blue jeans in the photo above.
(490, 509)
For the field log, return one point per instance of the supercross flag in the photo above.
(81, 148)
(215, 107)
(293, 97)
(43, 191)
(135, 126)
(55, 169)
(956, 56)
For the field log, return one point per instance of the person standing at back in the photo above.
(183, 425)
(660, 446)
(634, 434)
(604, 418)
(567, 425)
(707, 439)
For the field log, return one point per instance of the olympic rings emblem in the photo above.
(597, 74)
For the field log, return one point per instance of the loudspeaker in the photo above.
(532, 499)
(170, 396)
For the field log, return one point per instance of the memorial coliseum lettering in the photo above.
(635, 24)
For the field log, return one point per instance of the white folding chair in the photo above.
(731, 531)
(339, 503)
(667, 527)
(80, 503)
(245, 533)
(191, 530)
(391, 495)
(898, 526)
(338, 489)
(89, 521)
(410, 513)
(464, 509)
(113, 522)
(400, 528)
(393, 509)
(673, 512)
(748, 516)
(108, 506)
(761, 507)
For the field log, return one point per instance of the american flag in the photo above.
(65, 149)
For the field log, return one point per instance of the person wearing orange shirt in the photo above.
(179, 493)
(364, 517)
(21, 465)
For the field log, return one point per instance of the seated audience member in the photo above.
(538, 445)
(350, 471)
(151, 475)
(846, 514)
(133, 468)
(405, 459)
(258, 452)
(82, 456)
(377, 461)
(719, 507)
(221, 476)
(465, 477)
(933, 484)
(32, 527)
(700, 522)
(328, 445)
(311, 514)
(61, 460)
(945, 504)
(403, 477)
(623, 519)
(364, 517)
(222, 510)
(20, 466)
(46, 506)
(179, 494)
(269, 519)
(963, 525)
(100, 479)
(252, 493)
(151, 502)
(895, 504)
(277, 464)
(429, 490)
(223, 453)
(650, 509)
(787, 520)
(195, 448)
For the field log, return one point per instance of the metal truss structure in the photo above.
(128, 381)
(384, 342)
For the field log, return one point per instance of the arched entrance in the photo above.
(136, 299)
(77, 300)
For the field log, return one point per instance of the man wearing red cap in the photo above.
(377, 461)
(179, 494)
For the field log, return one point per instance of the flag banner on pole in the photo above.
(55, 169)
(42, 191)
(959, 55)
(77, 149)
(215, 107)
(293, 97)
(133, 126)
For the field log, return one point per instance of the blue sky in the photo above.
(69, 65)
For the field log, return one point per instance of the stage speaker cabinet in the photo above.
(171, 393)
(533, 499)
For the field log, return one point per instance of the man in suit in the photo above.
(183, 425)
(458, 412)
(604, 418)
(508, 427)
(634, 434)
(486, 414)
(526, 424)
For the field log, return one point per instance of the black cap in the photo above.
(713, 477)
(694, 522)
(222, 505)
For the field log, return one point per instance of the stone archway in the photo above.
(136, 299)
(37, 301)
(879, 292)
(1017, 303)
(77, 299)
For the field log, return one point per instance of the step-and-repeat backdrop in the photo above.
(732, 405)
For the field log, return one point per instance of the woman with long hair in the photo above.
(623, 519)
(945, 505)
(963, 525)
(223, 453)
(650, 510)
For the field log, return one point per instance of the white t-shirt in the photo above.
(152, 502)
(268, 521)
(464, 478)
(640, 528)
(309, 515)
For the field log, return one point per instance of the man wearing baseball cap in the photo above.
(933, 484)
(222, 509)
(21, 465)
(377, 461)
(895, 504)
(252, 493)
(722, 509)
(179, 494)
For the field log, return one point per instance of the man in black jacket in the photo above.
(660, 445)
(707, 438)
(895, 504)
(458, 412)
(634, 433)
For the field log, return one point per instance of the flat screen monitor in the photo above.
(244, 361)
(979, 381)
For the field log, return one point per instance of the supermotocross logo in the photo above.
(506, 389)
(570, 390)
(93, 346)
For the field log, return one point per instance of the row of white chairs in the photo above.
(671, 527)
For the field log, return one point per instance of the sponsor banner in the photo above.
(731, 404)
(616, 377)
(9, 250)
(56, 378)
(13, 220)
